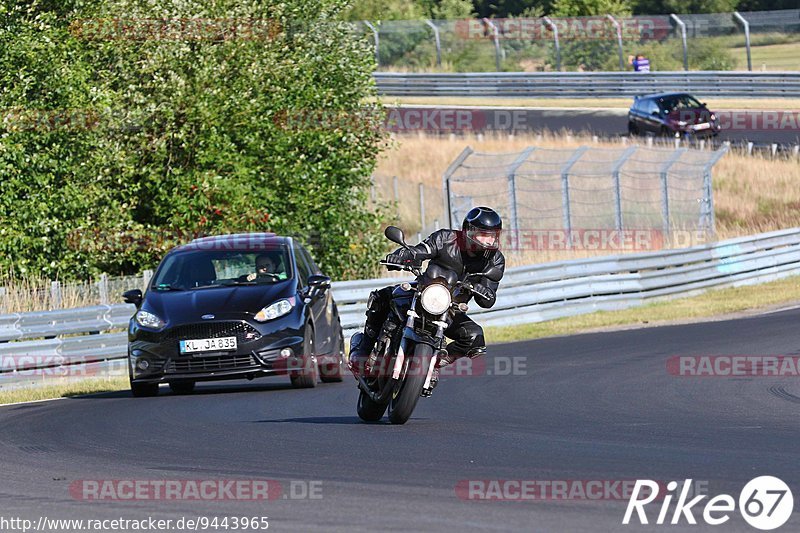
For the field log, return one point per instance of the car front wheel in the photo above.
(306, 378)
(143, 390)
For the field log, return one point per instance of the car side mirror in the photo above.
(319, 281)
(133, 296)
(317, 285)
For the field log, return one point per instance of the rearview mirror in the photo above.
(395, 234)
(133, 296)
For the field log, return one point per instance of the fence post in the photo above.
(617, 189)
(552, 27)
(421, 208)
(55, 294)
(738, 16)
(102, 285)
(665, 216)
(512, 188)
(708, 192)
(565, 192)
(377, 41)
(496, 39)
(446, 183)
(682, 26)
(437, 41)
(619, 40)
(147, 275)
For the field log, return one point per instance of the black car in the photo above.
(234, 306)
(671, 114)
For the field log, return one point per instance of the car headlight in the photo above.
(149, 320)
(435, 299)
(275, 310)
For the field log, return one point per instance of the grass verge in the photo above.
(64, 390)
(713, 303)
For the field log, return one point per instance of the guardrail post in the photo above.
(738, 16)
(707, 211)
(55, 294)
(102, 285)
(446, 184)
(496, 39)
(565, 191)
(552, 27)
(512, 188)
(2, 299)
(665, 216)
(437, 41)
(619, 40)
(682, 26)
(377, 41)
(617, 189)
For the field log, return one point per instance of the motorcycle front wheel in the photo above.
(369, 410)
(405, 398)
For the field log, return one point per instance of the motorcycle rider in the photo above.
(472, 250)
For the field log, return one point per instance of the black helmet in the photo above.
(482, 222)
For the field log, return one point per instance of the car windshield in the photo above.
(205, 268)
(678, 102)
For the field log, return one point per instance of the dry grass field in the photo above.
(752, 194)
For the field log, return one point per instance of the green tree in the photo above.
(200, 132)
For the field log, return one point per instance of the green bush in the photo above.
(184, 136)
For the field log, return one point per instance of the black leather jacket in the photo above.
(447, 249)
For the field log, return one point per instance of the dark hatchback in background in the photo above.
(234, 306)
(671, 114)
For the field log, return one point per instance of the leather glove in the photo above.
(401, 256)
(483, 291)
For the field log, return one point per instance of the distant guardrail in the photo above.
(528, 294)
(590, 84)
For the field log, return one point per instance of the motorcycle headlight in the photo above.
(435, 299)
(149, 320)
(273, 311)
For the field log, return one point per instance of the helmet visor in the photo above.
(484, 238)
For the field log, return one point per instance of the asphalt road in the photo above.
(589, 407)
(760, 127)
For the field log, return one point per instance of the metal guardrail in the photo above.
(590, 84)
(528, 294)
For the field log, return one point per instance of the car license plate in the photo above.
(703, 126)
(208, 345)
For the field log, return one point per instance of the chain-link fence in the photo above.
(712, 41)
(569, 192)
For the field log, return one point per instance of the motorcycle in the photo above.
(401, 366)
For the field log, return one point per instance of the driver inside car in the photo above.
(266, 268)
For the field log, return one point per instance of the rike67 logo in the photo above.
(765, 503)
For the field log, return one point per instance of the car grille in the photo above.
(209, 364)
(243, 332)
